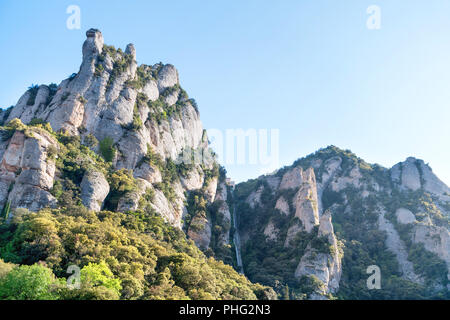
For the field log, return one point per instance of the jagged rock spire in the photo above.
(108, 98)
(93, 44)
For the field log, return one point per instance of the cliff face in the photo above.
(431, 229)
(138, 113)
(26, 170)
(120, 136)
(88, 168)
(286, 207)
(327, 267)
(316, 226)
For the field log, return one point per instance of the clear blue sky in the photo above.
(309, 68)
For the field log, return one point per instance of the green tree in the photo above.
(34, 282)
(6, 209)
(5, 268)
(107, 149)
(99, 275)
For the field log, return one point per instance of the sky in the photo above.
(313, 70)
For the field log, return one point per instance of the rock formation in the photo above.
(398, 210)
(94, 189)
(141, 109)
(120, 136)
(27, 170)
(306, 203)
(327, 267)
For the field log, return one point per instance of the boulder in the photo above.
(94, 189)
(167, 77)
(405, 216)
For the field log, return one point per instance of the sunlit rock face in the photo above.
(315, 212)
(111, 97)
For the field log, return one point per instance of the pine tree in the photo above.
(6, 209)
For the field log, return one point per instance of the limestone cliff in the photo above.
(139, 113)
(317, 225)
(287, 207)
(118, 136)
(27, 170)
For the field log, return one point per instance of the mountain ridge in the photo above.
(409, 195)
(120, 147)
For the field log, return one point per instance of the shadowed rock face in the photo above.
(282, 205)
(298, 189)
(414, 174)
(201, 237)
(403, 207)
(405, 216)
(435, 239)
(397, 246)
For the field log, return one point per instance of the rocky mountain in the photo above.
(121, 140)
(316, 226)
(112, 167)
(137, 117)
